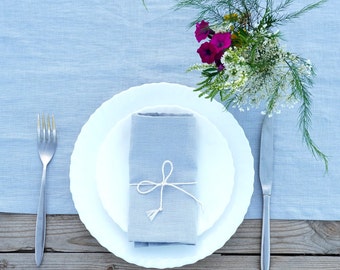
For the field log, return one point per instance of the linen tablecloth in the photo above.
(67, 57)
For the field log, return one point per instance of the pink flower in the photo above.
(221, 41)
(207, 52)
(202, 30)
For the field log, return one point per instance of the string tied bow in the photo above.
(154, 185)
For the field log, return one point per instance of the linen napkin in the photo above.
(162, 150)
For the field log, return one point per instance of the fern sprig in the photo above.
(300, 87)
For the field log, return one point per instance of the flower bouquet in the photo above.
(243, 62)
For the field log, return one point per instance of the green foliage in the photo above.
(256, 69)
(262, 11)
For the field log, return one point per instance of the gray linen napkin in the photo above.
(163, 148)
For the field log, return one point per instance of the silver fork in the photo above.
(47, 144)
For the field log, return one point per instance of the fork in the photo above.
(47, 144)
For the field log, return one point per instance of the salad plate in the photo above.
(215, 169)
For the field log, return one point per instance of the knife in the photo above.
(266, 177)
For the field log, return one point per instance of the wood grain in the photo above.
(294, 245)
(107, 261)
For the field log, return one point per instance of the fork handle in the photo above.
(40, 229)
(265, 242)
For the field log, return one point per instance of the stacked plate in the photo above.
(99, 173)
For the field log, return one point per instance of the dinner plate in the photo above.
(215, 169)
(83, 184)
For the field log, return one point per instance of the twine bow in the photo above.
(153, 185)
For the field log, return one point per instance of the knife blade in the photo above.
(266, 172)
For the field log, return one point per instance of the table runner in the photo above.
(67, 57)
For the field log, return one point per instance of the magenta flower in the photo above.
(207, 52)
(202, 30)
(221, 41)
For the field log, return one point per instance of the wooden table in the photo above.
(295, 245)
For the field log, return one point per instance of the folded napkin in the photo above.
(163, 150)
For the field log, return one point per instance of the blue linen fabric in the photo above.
(156, 139)
(67, 57)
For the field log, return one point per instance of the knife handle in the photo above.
(265, 242)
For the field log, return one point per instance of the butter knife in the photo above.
(266, 177)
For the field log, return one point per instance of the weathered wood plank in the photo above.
(66, 233)
(107, 261)
(288, 237)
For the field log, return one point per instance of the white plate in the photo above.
(83, 175)
(214, 162)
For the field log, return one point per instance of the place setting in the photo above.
(163, 151)
(161, 174)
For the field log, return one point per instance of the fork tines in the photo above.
(46, 128)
